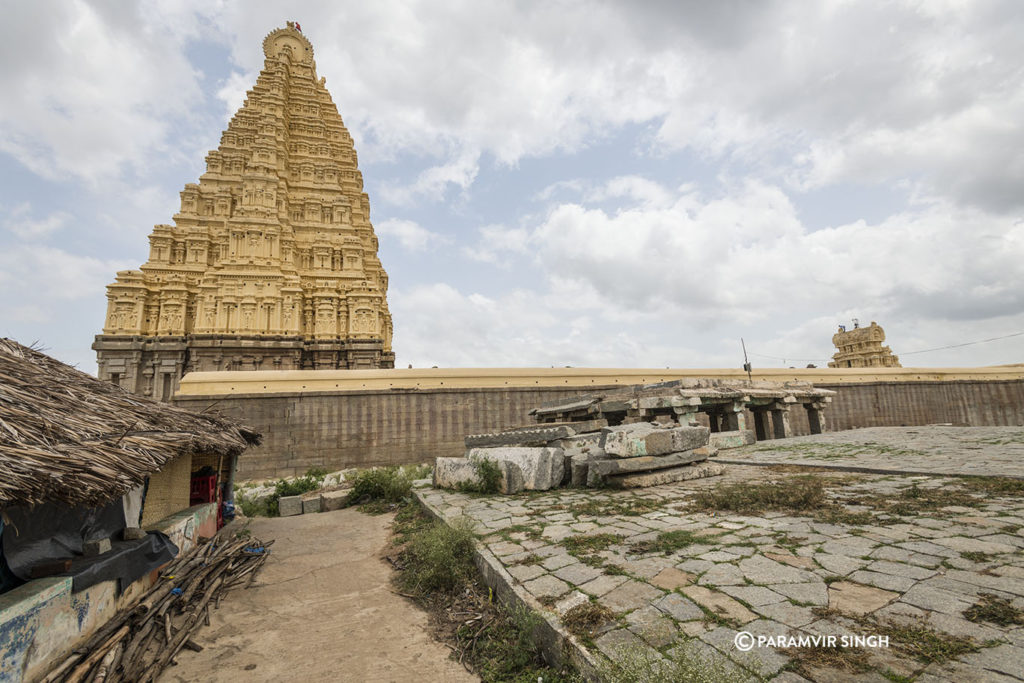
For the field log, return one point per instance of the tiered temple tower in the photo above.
(862, 347)
(271, 263)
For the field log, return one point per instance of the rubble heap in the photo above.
(637, 436)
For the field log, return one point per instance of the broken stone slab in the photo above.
(311, 504)
(133, 533)
(538, 436)
(733, 439)
(542, 468)
(580, 444)
(453, 473)
(287, 506)
(668, 476)
(644, 438)
(647, 463)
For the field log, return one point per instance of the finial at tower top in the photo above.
(291, 40)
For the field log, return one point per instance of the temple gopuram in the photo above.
(862, 347)
(271, 263)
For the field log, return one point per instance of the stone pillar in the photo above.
(780, 420)
(733, 418)
(762, 424)
(816, 417)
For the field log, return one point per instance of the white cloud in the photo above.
(21, 222)
(495, 241)
(410, 234)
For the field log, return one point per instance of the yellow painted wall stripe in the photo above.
(294, 381)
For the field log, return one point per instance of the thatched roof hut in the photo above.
(66, 436)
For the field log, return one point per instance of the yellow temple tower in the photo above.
(862, 347)
(271, 263)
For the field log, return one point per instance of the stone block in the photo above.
(311, 504)
(647, 463)
(287, 506)
(94, 548)
(133, 533)
(333, 500)
(734, 439)
(668, 476)
(538, 436)
(451, 473)
(643, 438)
(542, 468)
(581, 445)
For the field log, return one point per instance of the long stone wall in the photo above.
(340, 429)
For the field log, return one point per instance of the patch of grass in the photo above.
(585, 545)
(381, 488)
(640, 665)
(994, 486)
(435, 568)
(995, 610)
(586, 620)
(849, 660)
(795, 494)
(922, 642)
(666, 542)
(503, 649)
(530, 559)
(438, 558)
(609, 507)
(891, 675)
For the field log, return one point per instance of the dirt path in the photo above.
(321, 610)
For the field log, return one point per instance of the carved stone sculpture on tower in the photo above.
(271, 263)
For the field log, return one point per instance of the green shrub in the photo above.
(439, 559)
(310, 481)
(384, 484)
(488, 478)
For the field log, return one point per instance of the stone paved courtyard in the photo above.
(665, 570)
(983, 451)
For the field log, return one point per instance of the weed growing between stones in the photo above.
(995, 610)
(586, 545)
(631, 665)
(795, 494)
(914, 638)
(435, 569)
(849, 660)
(586, 621)
(666, 542)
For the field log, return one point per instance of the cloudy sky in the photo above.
(558, 183)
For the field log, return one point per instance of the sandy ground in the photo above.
(321, 610)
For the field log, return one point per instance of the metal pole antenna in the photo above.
(746, 363)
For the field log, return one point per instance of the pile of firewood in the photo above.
(142, 639)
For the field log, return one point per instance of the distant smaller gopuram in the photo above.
(862, 347)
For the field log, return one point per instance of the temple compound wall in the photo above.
(336, 420)
(271, 262)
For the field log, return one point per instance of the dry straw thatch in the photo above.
(67, 436)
